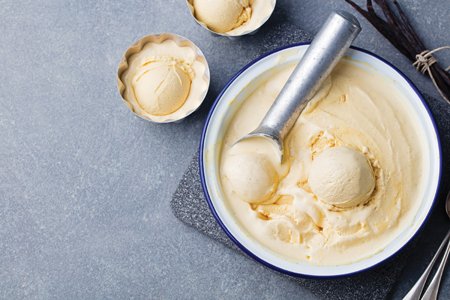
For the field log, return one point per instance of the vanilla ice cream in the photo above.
(342, 177)
(231, 17)
(252, 177)
(164, 78)
(351, 180)
(222, 15)
(161, 87)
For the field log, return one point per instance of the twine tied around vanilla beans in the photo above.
(394, 25)
(423, 63)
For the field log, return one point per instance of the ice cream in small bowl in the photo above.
(359, 175)
(231, 18)
(163, 78)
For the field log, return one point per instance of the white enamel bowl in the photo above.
(228, 102)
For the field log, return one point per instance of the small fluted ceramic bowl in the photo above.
(198, 63)
(224, 108)
(264, 14)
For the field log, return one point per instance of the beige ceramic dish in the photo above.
(199, 84)
(263, 16)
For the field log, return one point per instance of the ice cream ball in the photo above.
(161, 87)
(222, 15)
(341, 177)
(252, 177)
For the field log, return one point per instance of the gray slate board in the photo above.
(189, 204)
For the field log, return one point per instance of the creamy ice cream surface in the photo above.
(161, 87)
(232, 17)
(342, 177)
(165, 79)
(352, 178)
(223, 15)
(252, 177)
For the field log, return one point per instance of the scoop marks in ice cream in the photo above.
(161, 87)
(351, 180)
(166, 79)
(342, 177)
(222, 15)
(231, 17)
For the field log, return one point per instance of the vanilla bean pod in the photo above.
(396, 27)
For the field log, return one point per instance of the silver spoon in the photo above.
(433, 288)
(325, 51)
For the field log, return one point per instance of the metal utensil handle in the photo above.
(433, 289)
(416, 290)
(327, 48)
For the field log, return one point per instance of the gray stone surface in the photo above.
(85, 186)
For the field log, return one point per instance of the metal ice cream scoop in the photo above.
(325, 51)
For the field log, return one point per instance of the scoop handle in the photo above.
(327, 48)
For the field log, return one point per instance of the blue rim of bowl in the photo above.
(254, 256)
